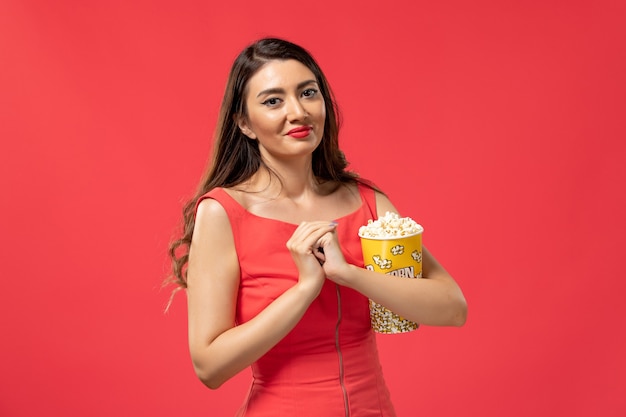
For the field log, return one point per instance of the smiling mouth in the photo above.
(299, 132)
(299, 129)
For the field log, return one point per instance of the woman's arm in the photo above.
(436, 300)
(219, 349)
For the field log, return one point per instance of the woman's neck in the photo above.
(283, 180)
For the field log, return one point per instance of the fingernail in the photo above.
(334, 223)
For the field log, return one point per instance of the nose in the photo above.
(295, 110)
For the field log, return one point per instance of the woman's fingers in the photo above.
(319, 254)
(305, 250)
(304, 240)
(334, 262)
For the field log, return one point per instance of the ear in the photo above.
(242, 123)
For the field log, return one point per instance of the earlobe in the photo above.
(242, 123)
(248, 133)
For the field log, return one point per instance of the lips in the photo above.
(299, 132)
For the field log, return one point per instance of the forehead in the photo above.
(285, 74)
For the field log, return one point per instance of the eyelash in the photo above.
(312, 92)
(267, 102)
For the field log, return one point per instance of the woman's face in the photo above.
(286, 110)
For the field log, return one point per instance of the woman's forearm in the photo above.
(238, 347)
(435, 301)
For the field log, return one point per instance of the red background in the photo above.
(498, 125)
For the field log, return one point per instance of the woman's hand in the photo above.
(304, 246)
(332, 259)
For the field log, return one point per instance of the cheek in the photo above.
(322, 117)
(263, 122)
(323, 108)
(318, 111)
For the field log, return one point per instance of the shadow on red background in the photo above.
(499, 127)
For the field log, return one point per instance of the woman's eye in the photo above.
(309, 92)
(271, 102)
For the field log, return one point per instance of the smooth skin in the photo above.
(283, 95)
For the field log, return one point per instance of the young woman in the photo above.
(271, 258)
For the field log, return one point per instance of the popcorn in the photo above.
(390, 226)
(387, 322)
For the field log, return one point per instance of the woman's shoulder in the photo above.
(212, 220)
(218, 202)
(209, 207)
(212, 198)
(374, 197)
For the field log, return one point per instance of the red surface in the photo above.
(498, 126)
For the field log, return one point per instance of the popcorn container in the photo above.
(397, 256)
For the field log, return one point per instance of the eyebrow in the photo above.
(282, 91)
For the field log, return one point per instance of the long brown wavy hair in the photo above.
(236, 158)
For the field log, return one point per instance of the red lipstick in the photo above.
(299, 132)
